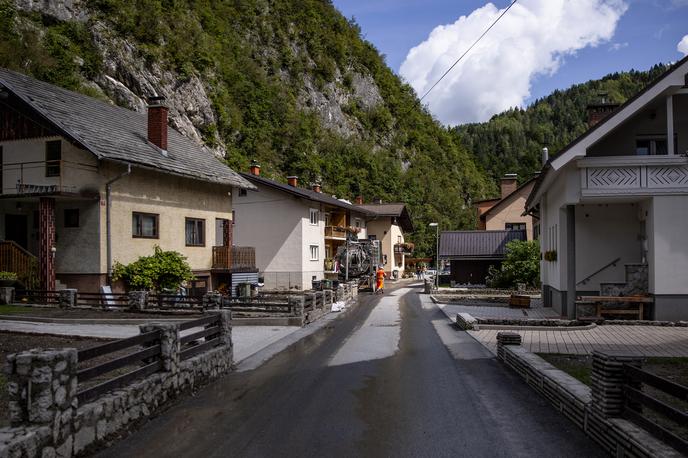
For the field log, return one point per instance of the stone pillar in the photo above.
(169, 344)
(212, 300)
(6, 295)
(138, 300)
(319, 299)
(46, 243)
(296, 303)
(67, 298)
(42, 385)
(226, 334)
(608, 379)
(309, 299)
(506, 338)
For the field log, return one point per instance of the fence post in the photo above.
(169, 344)
(42, 388)
(226, 333)
(67, 298)
(6, 295)
(138, 300)
(608, 379)
(212, 300)
(506, 338)
(297, 304)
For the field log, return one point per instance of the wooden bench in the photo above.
(519, 301)
(635, 305)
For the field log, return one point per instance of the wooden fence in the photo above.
(39, 297)
(176, 301)
(191, 344)
(150, 356)
(102, 299)
(635, 400)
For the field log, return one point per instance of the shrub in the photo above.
(8, 275)
(522, 265)
(162, 270)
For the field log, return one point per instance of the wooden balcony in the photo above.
(235, 258)
(404, 248)
(335, 232)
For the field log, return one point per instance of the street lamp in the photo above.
(437, 253)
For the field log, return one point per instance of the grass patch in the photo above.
(18, 309)
(577, 366)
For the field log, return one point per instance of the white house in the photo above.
(613, 205)
(296, 231)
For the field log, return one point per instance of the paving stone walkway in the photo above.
(634, 340)
(486, 311)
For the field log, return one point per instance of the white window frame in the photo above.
(315, 252)
(357, 223)
(314, 216)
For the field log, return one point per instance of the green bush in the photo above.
(8, 275)
(522, 265)
(162, 270)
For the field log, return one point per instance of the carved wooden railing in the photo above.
(335, 231)
(234, 258)
(14, 258)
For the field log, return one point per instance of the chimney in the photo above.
(293, 181)
(255, 168)
(359, 200)
(545, 156)
(509, 183)
(598, 111)
(316, 187)
(157, 122)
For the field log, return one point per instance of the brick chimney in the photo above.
(316, 187)
(255, 168)
(359, 200)
(157, 122)
(598, 111)
(293, 181)
(508, 184)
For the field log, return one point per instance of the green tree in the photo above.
(160, 271)
(521, 265)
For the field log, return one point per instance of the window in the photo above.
(315, 216)
(220, 225)
(399, 239)
(53, 156)
(71, 217)
(315, 252)
(515, 226)
(195, 232)
(372, 237)
(144, 225)
(357, 223)
(242, 192)
(653, 146)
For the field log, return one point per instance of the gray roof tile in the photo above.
(477, 244)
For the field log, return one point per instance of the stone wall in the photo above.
(591, 409)
(47, 419)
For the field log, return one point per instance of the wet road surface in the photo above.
(392, 378)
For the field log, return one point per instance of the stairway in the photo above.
(14, 258)
(636, 282)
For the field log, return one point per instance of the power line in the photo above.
(467, 51)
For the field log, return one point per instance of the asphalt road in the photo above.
(440, 393)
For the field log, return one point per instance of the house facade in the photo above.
(506, 212)
(613, 205)
(390, 222)
(296, 231)
(86, 184)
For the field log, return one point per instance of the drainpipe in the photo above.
(108, 219)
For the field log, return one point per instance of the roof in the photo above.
(304, 193)
(604, 123)
(394, 209)
(114, 133)
(476, 244)
(514, 193)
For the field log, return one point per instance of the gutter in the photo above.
(108, 219)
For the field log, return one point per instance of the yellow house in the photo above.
(389, 224)
(506, 212)
(85, 183)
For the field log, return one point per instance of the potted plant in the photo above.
(7, 278)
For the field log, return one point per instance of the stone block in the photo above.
(67, 298)
(138, 300)
(6, 295)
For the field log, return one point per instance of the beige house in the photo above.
(506, 212)
(613, 205)
(296, 230)
(389, 224)
(85, 183)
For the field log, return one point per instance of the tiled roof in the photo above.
(477, 244)
(304, 193)
(115, 133)
(396, 210)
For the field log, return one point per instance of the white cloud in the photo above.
(530, 40)
(618, 46)
(683, 45)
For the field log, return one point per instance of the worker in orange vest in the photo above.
(380, 275)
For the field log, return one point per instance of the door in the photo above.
(16, 229)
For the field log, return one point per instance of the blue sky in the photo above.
(639, 34)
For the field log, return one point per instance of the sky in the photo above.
(538, 46)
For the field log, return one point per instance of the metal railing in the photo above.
(52, 181)
(606, 266)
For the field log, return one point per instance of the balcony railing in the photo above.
(634, 175)
(403, 248)
(42, 177)
(235, 258)
(335, 231)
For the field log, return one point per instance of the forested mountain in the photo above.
(289, 83)
(512, 141)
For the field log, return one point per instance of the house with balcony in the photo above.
(85, 184)
(296, 231)
(613, 204)
(391, 221)
(505, 213)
